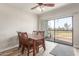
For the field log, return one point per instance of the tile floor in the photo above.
(49, 47)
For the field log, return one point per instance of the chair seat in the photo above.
(30, 43)
(40, 42)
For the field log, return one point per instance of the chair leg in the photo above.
(44, 45)
(28, 51)
(37, 49)
(19, 46)
(22, 51)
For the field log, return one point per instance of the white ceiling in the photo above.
(27, 7)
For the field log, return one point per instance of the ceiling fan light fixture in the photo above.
(40, 6)
(40, 9)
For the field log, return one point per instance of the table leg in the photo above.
(44, 44)
(34, 47)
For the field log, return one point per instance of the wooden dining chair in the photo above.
(27, 43)
(19, 37)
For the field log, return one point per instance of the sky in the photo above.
(60, 22)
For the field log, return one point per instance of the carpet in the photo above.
(63, 50)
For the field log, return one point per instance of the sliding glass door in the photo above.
(60, 30)
(63, 30)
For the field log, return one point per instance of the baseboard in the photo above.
(76, 46)
(8, 48)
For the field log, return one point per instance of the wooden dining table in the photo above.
(35, 38)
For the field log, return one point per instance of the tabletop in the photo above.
(35, 37)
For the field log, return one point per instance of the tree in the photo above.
(66, 26)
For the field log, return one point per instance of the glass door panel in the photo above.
(63, 30)
(51, 30)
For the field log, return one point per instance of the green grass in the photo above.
(64, 33)
(61, 33)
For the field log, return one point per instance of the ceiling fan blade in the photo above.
(35, 7)
(49, 5)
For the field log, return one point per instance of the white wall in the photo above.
(12, 20)
(68, 10)
(64, 11)
(76, 30)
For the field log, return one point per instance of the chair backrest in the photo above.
(24, 38)
(19, 36)
(38, 32)
(35, 33)
(41, 33)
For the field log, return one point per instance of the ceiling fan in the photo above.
(41, 5)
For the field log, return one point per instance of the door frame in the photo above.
(72, 30)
